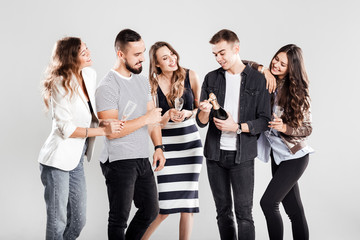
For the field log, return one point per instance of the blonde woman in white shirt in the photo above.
(69, 89)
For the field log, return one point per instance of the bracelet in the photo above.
(86, 134)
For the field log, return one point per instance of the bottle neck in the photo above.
(215, 104)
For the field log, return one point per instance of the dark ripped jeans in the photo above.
(225, 175)
(129, 180)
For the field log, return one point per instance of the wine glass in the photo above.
(179, 102)
(278, 112)
(155, 99)
(129, 109)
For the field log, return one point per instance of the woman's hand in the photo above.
(111, 126)
(277, 124)
(174, 115)
(270, 81)
(184, 114)
(179, 116)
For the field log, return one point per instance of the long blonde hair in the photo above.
(63, 64)
(177, 80)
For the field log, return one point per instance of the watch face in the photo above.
(238, 131)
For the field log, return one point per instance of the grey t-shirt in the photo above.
(113, 92)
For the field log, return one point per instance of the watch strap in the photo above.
(238, 131)
(162, 147)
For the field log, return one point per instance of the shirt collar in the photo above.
(246, 70)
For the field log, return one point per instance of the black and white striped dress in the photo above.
(178, 181)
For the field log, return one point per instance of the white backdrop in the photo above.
(327, 31)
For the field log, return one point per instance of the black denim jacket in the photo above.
(254, 109)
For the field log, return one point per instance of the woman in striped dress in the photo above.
(178, 181)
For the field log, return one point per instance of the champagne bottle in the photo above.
(218, 111)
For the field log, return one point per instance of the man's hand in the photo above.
(158, 158)
(226, 125)
(153, 116)
(205, 106)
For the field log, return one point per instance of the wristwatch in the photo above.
(162, 147)
(238, 131)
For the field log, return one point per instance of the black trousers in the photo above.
(227, 178)
(129, 180)
(284, 188)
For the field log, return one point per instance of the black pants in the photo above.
(128, 180)
(224, 176)
(284, 188)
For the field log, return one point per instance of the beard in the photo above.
(133, 70)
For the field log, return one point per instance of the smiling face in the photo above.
(133, 56)
(84, 56)
(166, 60)
(279, 65)
(226, 53)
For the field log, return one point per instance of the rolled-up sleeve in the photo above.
(61, 112)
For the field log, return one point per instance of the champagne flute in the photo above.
(278, 112)
(179, 102)
(129, 109)
(155, 99)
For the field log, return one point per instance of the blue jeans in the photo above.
(128, 180)
(224, 175)
(65, 198)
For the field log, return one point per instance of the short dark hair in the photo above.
(224, 35)
(124, 37)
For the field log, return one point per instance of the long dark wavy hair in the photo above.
(63, 64)
(177, 80)
(294, 87)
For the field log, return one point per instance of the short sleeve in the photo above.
(106, 98)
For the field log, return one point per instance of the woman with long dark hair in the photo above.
(178, 181)
(69, 89)
(285, 143)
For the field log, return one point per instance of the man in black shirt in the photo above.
(231, 144)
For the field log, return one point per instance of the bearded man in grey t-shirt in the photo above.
(124, 160)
